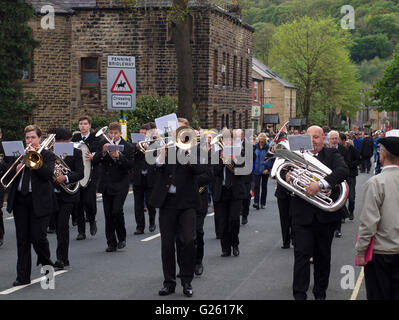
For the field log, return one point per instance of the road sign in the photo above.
(121, 83)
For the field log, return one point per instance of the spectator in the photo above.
(366, 152)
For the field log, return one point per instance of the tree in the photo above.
(386, 90)
(313, 55)
(368, 47)
(16, 43)
(263, 42)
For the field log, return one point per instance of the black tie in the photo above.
(84, 139)
(25, 181)
(228, 181)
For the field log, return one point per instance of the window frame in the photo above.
(83, 70)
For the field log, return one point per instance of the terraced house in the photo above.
(68, 74)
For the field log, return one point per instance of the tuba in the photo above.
(305, 169)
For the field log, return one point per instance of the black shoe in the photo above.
(286, 246)
(351, 216)
(199, 269)
(110, 249)
(93, 228)
(236, 252)
(187, 290)
(139, 232)
(50, 230)
(225, 254)
(152, 228)
(320, 296)
(66, 263)
(81, 236)
(17, 283)
(58, 265)
(74, 223)
(256, 206)
(338, 234)
(1, 242)
(244, 220)
(165, 291)
(262, 207)
(121, 244)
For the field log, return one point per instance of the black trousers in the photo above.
(62, 228)
(88, 204)
(178, 228)
(30, 230)
(229, 210)
(285, 220)
(260, 182)
(1, 213)
(312, 241)
(365, 164)
(246, 202)
(200, 219)
(114, 217)
(382, 277)
(140, 193)
(352, 193)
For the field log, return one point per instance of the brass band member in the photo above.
(114, 185)
(228, 193)
(88, 198)
(143, 182)
(31, 199)
(3, 167)
(176, 194)
(65, 200)
(312, 227)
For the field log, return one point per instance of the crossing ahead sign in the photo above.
(121, 83)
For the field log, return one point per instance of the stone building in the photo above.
(69, 78)
(277, 100)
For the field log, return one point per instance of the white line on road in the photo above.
(12, 290)
(9, 218)
(211, 214)
(152, 237)
(358, 284)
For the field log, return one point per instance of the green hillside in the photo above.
(375, 35)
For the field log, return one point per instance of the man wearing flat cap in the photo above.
(380, 219)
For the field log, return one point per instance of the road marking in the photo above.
(152, 237)
(12, 290)
(9, 218)
(211, 214)
(358, 284)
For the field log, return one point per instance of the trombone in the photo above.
(32, 159)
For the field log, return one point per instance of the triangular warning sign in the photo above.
(121, 84)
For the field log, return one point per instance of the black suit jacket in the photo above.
(93, 143)
(184, 178)
(42, 188)
(353, 160)
(367, 147)
(114, 174)
(304, 213)
(75, 163)
(239, 183)
(139, 165)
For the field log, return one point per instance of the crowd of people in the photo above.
(184, 192)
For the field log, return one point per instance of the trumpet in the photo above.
(218, 139)
(184, 140)
(32, 159)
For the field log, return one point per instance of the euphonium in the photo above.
(305, 169)
(61, 168)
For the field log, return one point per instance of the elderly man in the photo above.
(333, 140)
(380, 219)
(314, 228)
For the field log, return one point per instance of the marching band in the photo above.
(43, 185)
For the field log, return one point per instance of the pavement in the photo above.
(262, 271)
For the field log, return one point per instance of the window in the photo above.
(235, 72)
(256, 91)
(90, 72)
(214, 120)
(26, 73)
(224, 69)
(228, 70)
(241, 72)
(215, 67)
(233, 125)
(247, 75)
(240, 121)
(222, 120)
(227, 121)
